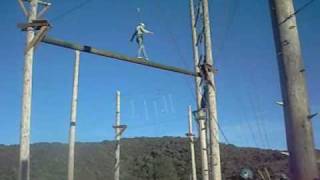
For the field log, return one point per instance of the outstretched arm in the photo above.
(146, 31)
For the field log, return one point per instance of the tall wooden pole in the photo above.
(118, 137)
(73, 119)
(211, 95)
(191, 139)
(202, 128)
(24, 156)
(300, 142)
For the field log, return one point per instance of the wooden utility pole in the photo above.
(302, 159)
(119, 129)
(201, 118)
(24, 156)
(211, 98)
(117, 153)
(191, 139)
(201, 122)
(73, 119)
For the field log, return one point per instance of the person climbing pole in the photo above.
(139, 35)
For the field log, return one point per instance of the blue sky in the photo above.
(154, 102)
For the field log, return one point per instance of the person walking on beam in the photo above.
(139, 35)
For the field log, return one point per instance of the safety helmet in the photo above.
(246, 173)
(141, 24)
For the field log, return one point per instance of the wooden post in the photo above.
(211, 95)
(24, 155)
(202, 128)
(191, 139)
(73, 119)
(267, 173)
(201, 118)
(117, 140)
(300, 142)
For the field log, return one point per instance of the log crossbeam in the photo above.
(117, 56)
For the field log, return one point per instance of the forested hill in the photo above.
(165, 158)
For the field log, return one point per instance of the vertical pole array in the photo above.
(211, 95)
(300, 142)
(73, 119)
(24, 156)
(118, 137)
(202, 128)
(191, 139)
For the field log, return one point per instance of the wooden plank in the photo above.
(36, 24)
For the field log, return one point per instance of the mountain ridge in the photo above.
(142, 158)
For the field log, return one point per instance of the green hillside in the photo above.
(164, 158)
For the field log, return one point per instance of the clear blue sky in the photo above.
(154, 102)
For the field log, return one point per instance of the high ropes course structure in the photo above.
(302, 159)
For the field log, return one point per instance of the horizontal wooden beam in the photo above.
(113, 55)
(35, 24)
